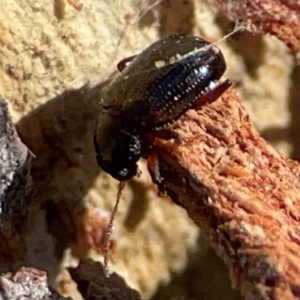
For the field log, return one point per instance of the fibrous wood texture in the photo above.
(247, 193)
(242, 193)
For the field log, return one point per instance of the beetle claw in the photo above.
(123, 63)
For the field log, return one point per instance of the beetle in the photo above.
(151, 92)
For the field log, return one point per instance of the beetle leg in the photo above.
(213, 94)
(164, 134)
(123, 63)
(153, 167)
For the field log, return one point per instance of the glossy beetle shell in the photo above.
(154, 90)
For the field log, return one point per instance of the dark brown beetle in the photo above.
(154, 90)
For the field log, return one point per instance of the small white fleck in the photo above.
(212, 84)
(203, 70)
(159, 63)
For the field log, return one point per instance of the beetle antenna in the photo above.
(239, 26)
(109, 230)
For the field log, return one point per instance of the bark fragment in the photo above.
(93, 284)
(14, 168)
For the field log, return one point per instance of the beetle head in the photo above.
(117, 154)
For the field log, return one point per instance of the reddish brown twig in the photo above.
(242, 193)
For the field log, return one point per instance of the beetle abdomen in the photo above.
(175, 89)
